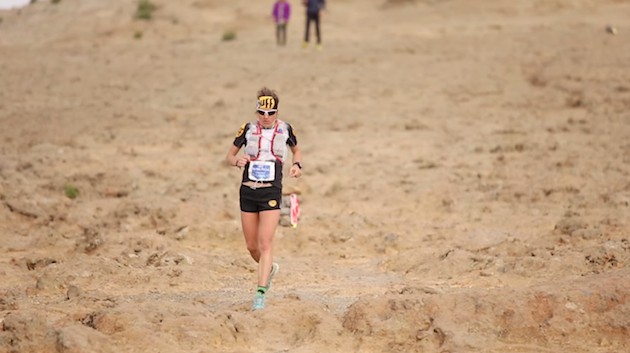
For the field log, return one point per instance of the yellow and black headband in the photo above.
(266, 103)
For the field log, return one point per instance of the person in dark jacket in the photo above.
(313, 14)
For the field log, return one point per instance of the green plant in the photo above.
(137, 35)
(55, 1)
(145, 10)
(71, 191)
(228, 36)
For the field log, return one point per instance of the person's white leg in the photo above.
(249, 222)
(267, 224)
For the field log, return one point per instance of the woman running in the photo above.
(265, 143)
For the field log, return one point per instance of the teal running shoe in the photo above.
(259, 301)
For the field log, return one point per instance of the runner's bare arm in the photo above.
(296, 165)
(231, 158)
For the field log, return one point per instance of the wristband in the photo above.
(298, 164)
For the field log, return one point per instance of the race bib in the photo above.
(262, 171)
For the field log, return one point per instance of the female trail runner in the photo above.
(265, 143)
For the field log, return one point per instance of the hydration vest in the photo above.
(278, 148)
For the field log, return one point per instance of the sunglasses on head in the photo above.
(268, 112)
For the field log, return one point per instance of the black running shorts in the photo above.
(261, 199)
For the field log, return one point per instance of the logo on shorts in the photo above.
(272, 203)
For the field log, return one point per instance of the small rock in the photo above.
(611, 30)
(73, 292)
(569, 225)
(587, 234)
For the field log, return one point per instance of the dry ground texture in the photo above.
(466, 187)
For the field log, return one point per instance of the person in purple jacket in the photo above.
(281, 13)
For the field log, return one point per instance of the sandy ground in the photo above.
(466, 178)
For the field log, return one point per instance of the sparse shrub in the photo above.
(71, 191)
(137, 35)
(145, 10)
(55, 1)
(228, 36)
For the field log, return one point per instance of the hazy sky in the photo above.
(7, 4)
